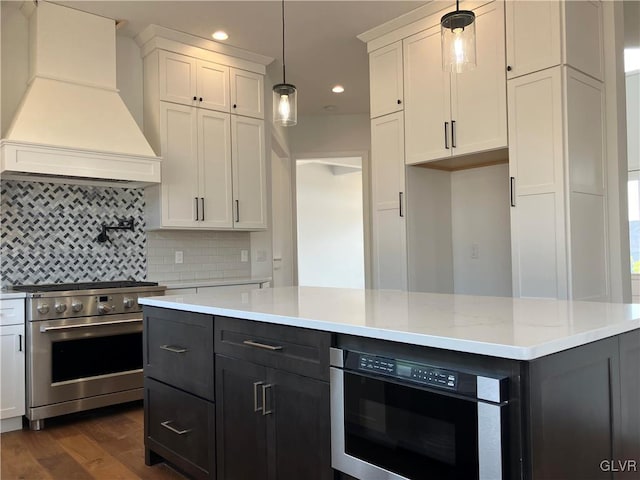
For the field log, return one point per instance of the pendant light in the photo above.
(458, 33)
(285, 101)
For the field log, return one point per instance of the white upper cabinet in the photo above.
(249, 173)
(543, 34)
(189, 81)
(385, 74)
(212, 86)
(448, 114)
(247, 92)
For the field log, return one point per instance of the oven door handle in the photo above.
(85, 325)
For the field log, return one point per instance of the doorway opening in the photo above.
(330, 225)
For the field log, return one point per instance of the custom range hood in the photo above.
(71, 122)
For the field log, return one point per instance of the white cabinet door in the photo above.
(427, 108)
(536, 164)
(385, 77)
(180, 194)
(479, 96)
(249, 172)
(533, 36)
(177, 78)
(247, 93)
(12, 371)
(214, 155)
(212, 86)
(388, 187)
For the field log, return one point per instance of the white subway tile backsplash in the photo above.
(207, 255)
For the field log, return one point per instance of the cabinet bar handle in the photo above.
(400, 195)
(273, 348)
(20, 342)
(264, 400)
(257, 408)
(446, 135)
(197, 209)
(173, 348)
(174, 430)
(237, 211)
(453, 133)
(202, 200)
(512, 190)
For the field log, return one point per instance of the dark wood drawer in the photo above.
(292, 349)
(181, 427)
(178, 349)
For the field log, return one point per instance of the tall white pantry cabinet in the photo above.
(204, 114)
(540, 64)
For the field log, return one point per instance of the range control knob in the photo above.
(60, 307)
(76, 306)
(104, 308)
(129, 302)
(43, 308)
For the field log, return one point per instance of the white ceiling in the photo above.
(321, 45)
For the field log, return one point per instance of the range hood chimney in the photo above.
(71, 122)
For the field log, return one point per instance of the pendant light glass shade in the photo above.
(285, 98)
(458, 32)
(285, 104)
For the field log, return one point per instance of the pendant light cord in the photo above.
(284, 77)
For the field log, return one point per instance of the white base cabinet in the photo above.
(558, 214)
(12, 364)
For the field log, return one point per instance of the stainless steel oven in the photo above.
(393, 419)
(84, 346)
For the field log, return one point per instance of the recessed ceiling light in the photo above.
(220, 35)
(338, 89)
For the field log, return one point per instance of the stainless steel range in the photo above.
(84, 346)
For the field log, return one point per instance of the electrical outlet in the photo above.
(244, 255)
(475, 251)
(179, 256)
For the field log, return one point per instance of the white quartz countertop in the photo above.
(213, 282)
(515, 328)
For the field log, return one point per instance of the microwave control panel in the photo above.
(414, 372)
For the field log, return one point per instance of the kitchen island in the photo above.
(572, 367)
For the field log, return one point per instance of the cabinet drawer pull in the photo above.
(453, 134)
(512, 190)
(446, 135)
(197, 209)
(173, 348)
(272, 348)
(174, 430)
(256, 407)
(264, 400)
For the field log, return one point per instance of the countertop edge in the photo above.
(434, 341)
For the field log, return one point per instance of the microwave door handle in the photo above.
(491, 432)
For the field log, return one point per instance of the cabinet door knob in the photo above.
(234, 105)
(200, 98)
(399, 101)
(509, 68)
(195, 98)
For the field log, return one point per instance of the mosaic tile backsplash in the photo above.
(48, 233)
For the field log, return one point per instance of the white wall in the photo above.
(330, 239)
(331, 133)
(481, 231)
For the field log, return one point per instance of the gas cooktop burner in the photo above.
(64, 287)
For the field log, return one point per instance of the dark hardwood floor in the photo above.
(102, 444)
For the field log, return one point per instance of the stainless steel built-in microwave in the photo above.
(393, 419)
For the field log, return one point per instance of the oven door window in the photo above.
(94, 356)
(410, 431)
